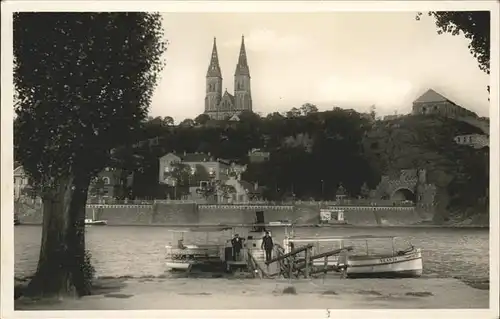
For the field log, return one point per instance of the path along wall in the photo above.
(171, 214)
(383, 216)
(188, 213)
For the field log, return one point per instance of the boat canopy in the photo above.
(340, 238)
(201, 229)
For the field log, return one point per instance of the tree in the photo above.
(475, 26)
(202, 119)
(373, 112)
(365, 191)
(168, 121)
(187, 123)
(308, 108)
(84, 83)
(294, 112)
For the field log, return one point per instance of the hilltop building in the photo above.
(222, 105)
(432, 102)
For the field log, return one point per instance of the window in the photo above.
(106, 180)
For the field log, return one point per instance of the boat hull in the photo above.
(172, 265)
(96, 223)
(407, 265)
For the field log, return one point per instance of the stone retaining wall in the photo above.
(190, 213)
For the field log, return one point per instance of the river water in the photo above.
(139, 250)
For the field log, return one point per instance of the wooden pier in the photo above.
(294, 264)
(299, 262)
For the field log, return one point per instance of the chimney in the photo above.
(256, 185)
(184, 153)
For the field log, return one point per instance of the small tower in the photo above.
(213, 83)
(242, 92)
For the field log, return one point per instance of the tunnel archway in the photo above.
(401, 194)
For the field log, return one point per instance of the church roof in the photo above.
(431, 96)
(214, 67)
(242, 66)
(229, 96)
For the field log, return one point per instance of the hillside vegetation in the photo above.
(313, 153)
(460, 173)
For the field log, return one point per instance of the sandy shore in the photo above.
(221, 293)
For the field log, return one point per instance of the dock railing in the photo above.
(299, 262)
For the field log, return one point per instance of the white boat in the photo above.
(93, 221)
(361, 262)
(181, 255)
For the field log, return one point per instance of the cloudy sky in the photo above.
(351, 60)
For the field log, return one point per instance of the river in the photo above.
(139, 250)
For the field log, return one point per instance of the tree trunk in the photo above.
(61, 262)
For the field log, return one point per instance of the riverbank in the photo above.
(420, 225)
(224, 293)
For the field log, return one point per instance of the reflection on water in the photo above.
(139, 251)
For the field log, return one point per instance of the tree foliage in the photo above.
(474, 25)
(84, 82)
(305, 149)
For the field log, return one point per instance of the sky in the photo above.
(350, 60)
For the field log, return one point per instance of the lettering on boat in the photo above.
(399, 258)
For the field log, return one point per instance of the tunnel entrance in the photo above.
(402, 194)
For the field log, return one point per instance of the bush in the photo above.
(88, 271)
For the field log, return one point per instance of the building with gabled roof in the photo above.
(432, 102)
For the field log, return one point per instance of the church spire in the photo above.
(214, 68)
(242, 66)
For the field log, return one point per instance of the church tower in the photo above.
(213, 88)
(242, 92)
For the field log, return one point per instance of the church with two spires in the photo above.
(224, 105)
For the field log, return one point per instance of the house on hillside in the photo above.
(234, 118)
(21, 181)
(112, 184)
(392, 117)
(258, 156)
(475, 140)
(432, 102)
(242, 191)
(216, 168)
(111, 178)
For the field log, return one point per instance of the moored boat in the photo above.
(93, 222)
(183, 255)
(361, 262)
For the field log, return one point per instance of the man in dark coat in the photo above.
(237, 244)
(267, 245)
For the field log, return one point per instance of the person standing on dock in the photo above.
(237, 244)
(267, 245)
